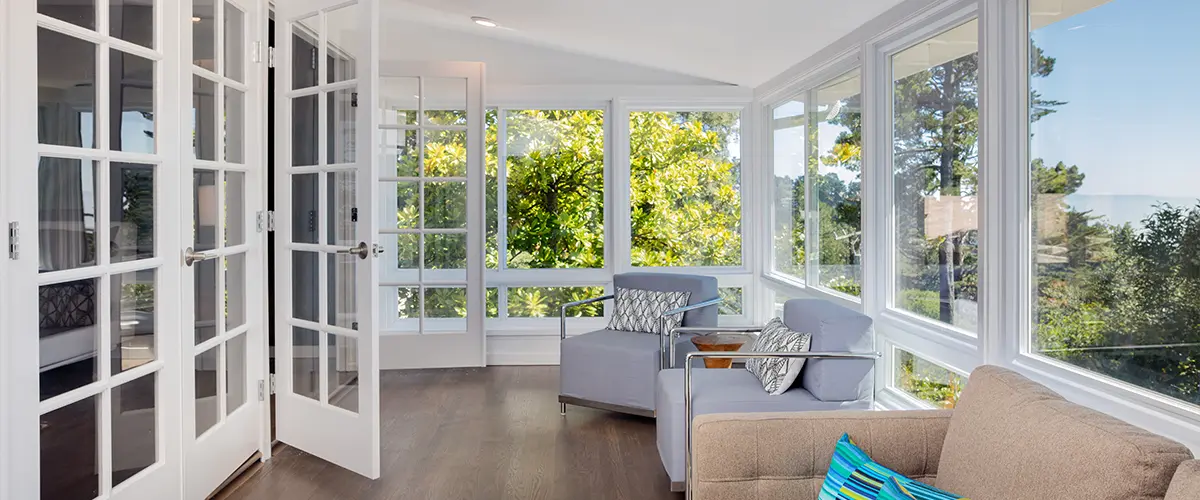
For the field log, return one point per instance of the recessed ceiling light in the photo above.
(485, 22)
(196, 19)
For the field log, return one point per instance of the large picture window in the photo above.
(935, 161)
(685, 180)
(555, 188)
(1116, 214)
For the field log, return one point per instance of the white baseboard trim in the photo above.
(512, 350)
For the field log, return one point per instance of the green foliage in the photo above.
(546, 302)
(928, 382)
(685, 199)
(731, 301)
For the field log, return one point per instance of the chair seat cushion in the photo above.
(611, 367)
(722, 391)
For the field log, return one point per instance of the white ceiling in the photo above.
(743, 42)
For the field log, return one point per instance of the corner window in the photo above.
(685, 188)
(1115, 199)
(935, 161)
(789, 130)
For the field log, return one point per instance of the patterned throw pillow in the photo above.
(854, 476)
(778, 374)
(641, 310)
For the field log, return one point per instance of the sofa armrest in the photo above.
(1186, 482)
(769, 456)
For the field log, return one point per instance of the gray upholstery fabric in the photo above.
(834, 329)
(722, 391)
(702, 288)
(614, 367)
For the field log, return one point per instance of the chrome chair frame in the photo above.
(687, 389)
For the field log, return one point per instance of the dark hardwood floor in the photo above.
(481, 434)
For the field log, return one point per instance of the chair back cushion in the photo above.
(701, 288)
(834, 329)
(1013, 438)
(642, 311)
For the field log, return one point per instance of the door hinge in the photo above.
(14, 240)
(270, 56)
(270, 221)
(272, 383)
(260, 221)
(256, 52)
(262, 395)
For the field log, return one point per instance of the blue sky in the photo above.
(1129, 71)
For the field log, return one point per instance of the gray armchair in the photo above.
(839, 375)
(616, 371)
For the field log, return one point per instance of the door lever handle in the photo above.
(191, 256)
(361, 250)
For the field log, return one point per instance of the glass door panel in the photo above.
(225, 258)
(328, 391)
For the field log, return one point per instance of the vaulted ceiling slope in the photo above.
(741, 42)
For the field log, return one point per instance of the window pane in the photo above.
(538, 302)
(131, 97)
(685, 197)
(131, 232)
(70, 453)
(343, 372)
(445, 205)
(445, 251)
(492, 190)
(926, 380)
(789, 126)
(555, 183)
(234, 36)
(133, 320)
(731, 301)
(66, 214)
(204, 119)
(445, 302)
(445, 153)
(305, 363)
(68, 315)
(132, 21)
(134, 433)
(204, 34)
(1116, 209)
(935, 131)
(207, 406)
(836, 184)
(81, 13)
(66, 92)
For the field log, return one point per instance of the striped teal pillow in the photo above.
(854, 476)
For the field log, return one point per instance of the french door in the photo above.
(223, 193)
(327, 336)
(431, 210)
(91, 183)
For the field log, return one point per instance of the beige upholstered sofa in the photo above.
(1008, 439)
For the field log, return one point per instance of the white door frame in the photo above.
(21, 304)
(221, 450)
(346, 438)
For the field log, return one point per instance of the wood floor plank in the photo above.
(481, 434)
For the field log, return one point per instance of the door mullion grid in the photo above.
(324, 314)
(421, 204)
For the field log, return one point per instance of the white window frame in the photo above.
(805, 89)
(1005, 271)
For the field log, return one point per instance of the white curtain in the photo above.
(62, 232)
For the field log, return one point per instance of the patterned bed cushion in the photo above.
(640, 310)
(778, 374)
